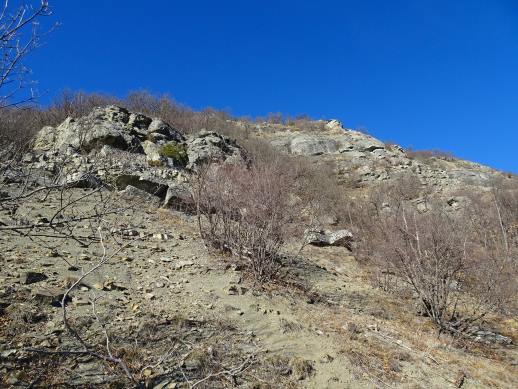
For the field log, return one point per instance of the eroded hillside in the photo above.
(108, 278)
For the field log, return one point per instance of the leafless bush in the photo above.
(324, 200)
(20, 125)
(424, 155)
(302, 122)
(305, 123)
(245, 211)
(457, 277)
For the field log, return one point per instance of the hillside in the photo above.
(110, 277)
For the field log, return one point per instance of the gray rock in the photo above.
(82, 180)
(209, 146)
(152, 151)
(139, 123)
(182, 263)
(490, 337)
(334, 125)
(160, 131)
(131, 192)
(104, 126)
(31, 277)
(49, 296)
(319, 237)
(155, 187)
(313, 145)
(179, 196)
(113, 126)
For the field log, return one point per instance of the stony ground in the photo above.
(180, 316)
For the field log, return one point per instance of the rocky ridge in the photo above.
(124, 148)
(359, 157)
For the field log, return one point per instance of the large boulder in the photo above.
(209, 146)
(320, 237)
(159, 131)
(103, 126)
(179, 197)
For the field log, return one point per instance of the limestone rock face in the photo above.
(313, 145)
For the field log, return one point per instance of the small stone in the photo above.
(45, 343)
(32, 277)
(81, 302)
(160, 236)
(164, 385)
(235, 279)
(191, 364)
(8, 353)
(181, 264)
(51, 296)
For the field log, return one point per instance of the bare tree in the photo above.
(19, 35)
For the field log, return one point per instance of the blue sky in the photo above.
(431, 74)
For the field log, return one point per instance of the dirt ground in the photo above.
(180, 316)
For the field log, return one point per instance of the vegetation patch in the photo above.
(175, 151)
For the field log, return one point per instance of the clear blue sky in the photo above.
(432, 74)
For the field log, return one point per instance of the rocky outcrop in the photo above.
(359, 158)
(114, 147)
(135, 145)
(351, 152)
(113, 126)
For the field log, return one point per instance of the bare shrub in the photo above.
(76, 104)
(20, 125)
(423, 155)
(456, 278)
(245, 211)
(324, 199)
(305, 123)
